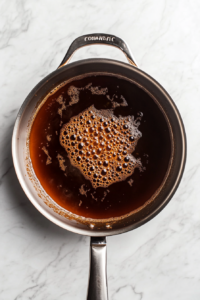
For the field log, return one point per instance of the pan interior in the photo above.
(131, 91)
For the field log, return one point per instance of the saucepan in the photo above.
(97, 287)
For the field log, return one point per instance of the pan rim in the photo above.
(89, 231)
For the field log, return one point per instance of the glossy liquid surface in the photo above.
(131, 132)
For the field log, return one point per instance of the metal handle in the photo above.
(97, 285)
(98, 38)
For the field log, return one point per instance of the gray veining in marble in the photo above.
(161, 259)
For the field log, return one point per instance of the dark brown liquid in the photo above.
(134, 157)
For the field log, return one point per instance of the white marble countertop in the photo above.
(161, 259)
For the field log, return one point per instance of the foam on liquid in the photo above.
(100, 145)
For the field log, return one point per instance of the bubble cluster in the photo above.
(100, 144)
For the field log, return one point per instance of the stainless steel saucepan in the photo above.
(97, 288)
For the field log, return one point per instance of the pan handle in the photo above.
(98, 38)
(97, 285)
